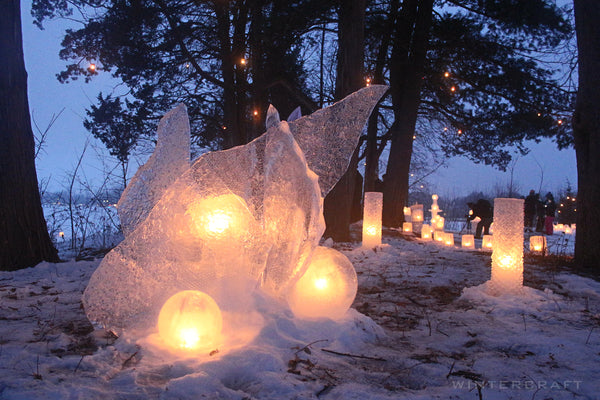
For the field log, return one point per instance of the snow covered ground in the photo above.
(414, 333)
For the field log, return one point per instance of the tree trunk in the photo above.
(233, 123)
(586, 128)
(24, 239)
(373, 148)
(406, 72)
(337, 207)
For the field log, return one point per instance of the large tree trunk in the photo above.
(373, 148)
(230, 55)
(24, 239)
(406, 71)
(586, 128)
(337, 207)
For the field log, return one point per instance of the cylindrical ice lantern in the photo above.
(407, 215)
(448, 239)
(417, 213)
(407, 227)
(371, 232)
(426, 232)
(468, 241)
(486, 242)
(537, 244)
(507, 255)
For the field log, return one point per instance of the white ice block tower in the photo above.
(507, 255)
(437, 222)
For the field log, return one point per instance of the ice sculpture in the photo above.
(329, 136)
(235, 220)
(170, 159)
(507, 254)
(328, 287)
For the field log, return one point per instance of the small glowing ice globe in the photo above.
(190, 320)
(327, 288)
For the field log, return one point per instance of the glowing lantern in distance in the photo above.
(190, 320)
(407, 227)
(468, 241)
(537, 244)
(417, 215)
(448, 239)
(486, 243)
(327, 288)
(426, 232)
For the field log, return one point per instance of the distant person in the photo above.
(550, 212)
(482, 209)
(540, 214)
(530, 209)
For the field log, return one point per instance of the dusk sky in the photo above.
(67, 137)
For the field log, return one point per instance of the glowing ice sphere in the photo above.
(190, 320)
(327, 288)
(219, 218)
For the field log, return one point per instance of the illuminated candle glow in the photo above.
(371, 231)
(190, 321)
(487, 242)
(507, 255)
(537, 244)
(468, 241)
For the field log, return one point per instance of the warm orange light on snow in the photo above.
(407, 227)
(190, 320)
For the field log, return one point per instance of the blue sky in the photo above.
(67, 137)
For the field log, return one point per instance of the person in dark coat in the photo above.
(550, 213)
(540, 212)
(482, 209)
(530, 209)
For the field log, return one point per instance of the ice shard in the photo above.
(170, 159)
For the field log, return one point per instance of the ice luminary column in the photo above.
(371, 233)
(507, 254)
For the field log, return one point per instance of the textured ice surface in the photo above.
(507, 253)
(170, 159)
(236, 218)
(329, 136)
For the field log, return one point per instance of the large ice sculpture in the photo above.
(170, 159)
(236, 219)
